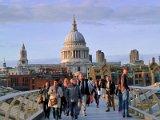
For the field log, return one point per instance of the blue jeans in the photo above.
(74, 109)
(125, 98)
(120, 101)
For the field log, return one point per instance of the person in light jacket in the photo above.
(55, 93)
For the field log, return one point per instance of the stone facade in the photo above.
(100, 57)
(134, 56)
(138, 75)
(99, 72)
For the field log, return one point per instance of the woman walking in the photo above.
(55, 93)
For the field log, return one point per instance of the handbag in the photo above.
(52, 100)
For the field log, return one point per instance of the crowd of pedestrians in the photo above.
(71, 97)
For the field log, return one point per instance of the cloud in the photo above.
(85, 12)
(137, 14)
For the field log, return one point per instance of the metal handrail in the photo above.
(8, 96)
(145, 88)
(144, 113)
(154, 89)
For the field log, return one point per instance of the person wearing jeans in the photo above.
(120, 102)
(73, 95)
(125, 96)
(119, 94)
(125, 93)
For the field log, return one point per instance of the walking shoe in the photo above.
(107, 110)
(129, 116)
(97, 106)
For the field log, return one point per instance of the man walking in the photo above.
(83, 84)
(125, 93)
(110, 91)
(73, 95)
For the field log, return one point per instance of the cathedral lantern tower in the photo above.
(23, 57)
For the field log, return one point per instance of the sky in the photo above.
(113, 26)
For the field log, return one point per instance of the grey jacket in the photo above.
(73, 93)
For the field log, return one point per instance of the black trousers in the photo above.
(56, 113)
(46, 109)
(96, 97)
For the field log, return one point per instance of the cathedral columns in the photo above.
(79, 56)
(74, 54)
(84, 54)
(67, 54)
(64, 55)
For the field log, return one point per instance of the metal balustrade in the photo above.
(19, 106)
(145, 102)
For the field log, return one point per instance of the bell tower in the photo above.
(23, 57)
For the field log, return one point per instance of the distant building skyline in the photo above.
(113, 26)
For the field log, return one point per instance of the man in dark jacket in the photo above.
(110, 91)
(73, 95)
(125, 93)
(83, 84)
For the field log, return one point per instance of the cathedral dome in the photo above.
(74, 36)
(75, 49)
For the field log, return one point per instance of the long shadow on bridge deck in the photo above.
(94, 113)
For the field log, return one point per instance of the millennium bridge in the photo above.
(17, 105)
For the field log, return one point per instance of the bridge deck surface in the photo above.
(94, 113)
